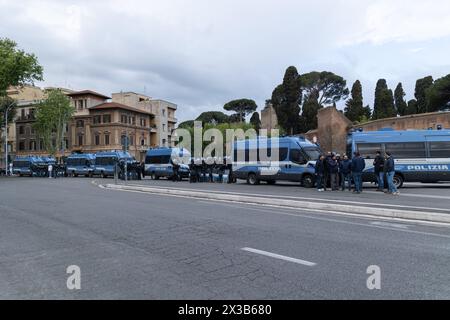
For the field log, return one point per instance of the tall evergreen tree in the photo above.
(422, 85)
(354, 109)
(255, 121)
(412, 107)
(286, 100)
(309, 114)
(399, 97)
(438, 95)
(384, 101)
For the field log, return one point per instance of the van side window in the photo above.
(296, 156)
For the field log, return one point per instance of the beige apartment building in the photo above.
(100, 123)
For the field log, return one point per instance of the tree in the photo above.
(7, 102)
(354, 109)
(412, 107)
(52, 116)
(255, 121)
(438, 95)
(326, 86)
(241, 107)
(286, 100)
(384, 101)
(236, 118)
(17, 67)
(309, 114)
(213, 117)
(186, 124)
(400, 103)
(422, 86)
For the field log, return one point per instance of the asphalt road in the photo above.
(138, 246)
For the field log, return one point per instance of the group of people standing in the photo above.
(204, 171)
(341, 173)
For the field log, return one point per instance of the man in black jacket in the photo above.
(320, 171)
(378, 165)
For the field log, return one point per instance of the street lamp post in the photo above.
(6, 136)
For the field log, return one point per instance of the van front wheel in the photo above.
(252, 179)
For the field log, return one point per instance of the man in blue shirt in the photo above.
(358, 165)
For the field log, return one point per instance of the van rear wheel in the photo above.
(252, 179)
(307, 181)
(398, 181)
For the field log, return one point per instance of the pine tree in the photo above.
(354, 109)
(309, 114)
(399, 97)
(422, 85)
(384, 101)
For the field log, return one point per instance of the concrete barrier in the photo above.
(291, 204)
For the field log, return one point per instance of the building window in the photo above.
(97, 139)
(66, 143)
(32, 145)
(21, 145)
(133, 121)
(164, 128)
(123, 118)
(106, 139)
(41, 144)
(22, 114)
(80, 140)
(163, 142)
(107, 118)
(163, 112)
(131, 140)
(80, 104)
(97, 119)
(21, 130)
(80, 123)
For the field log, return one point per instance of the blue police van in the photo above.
(159, 162)
(275, 159)
(420, 155)
(32, 165)
(105, 162)
(82, 164)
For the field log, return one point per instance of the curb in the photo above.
(292, 204)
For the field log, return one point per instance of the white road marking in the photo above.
(387, 224)
(279, 257)
(416, 195)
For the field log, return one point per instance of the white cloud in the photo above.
(403, 21)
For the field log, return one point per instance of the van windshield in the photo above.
(312, 153)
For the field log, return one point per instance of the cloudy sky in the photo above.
(202, 53)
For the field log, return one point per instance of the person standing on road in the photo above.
(175, 170)
(345, 169)
(358, 165)
(326, 173)
(10, 169)
(378, 165)
(390, 172)
(333, 169)
(320, 172)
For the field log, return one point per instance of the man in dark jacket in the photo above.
(333, 169)
(378, 165)
(320, 171)
(389, 168)
(358, 165)
(345, 168)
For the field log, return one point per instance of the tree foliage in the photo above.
(354, 108)
(241, 107)
(255, 121)
(438, 95)
(52, 116)
(7, 102)
(286, 100)
(412, 107)
(422, 85)
(326, 86)
(213, 117)
(17, 67)
(309, 114)
(384, 101)
(399, 98)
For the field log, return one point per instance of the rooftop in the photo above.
(88, 92)
(115, 105)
